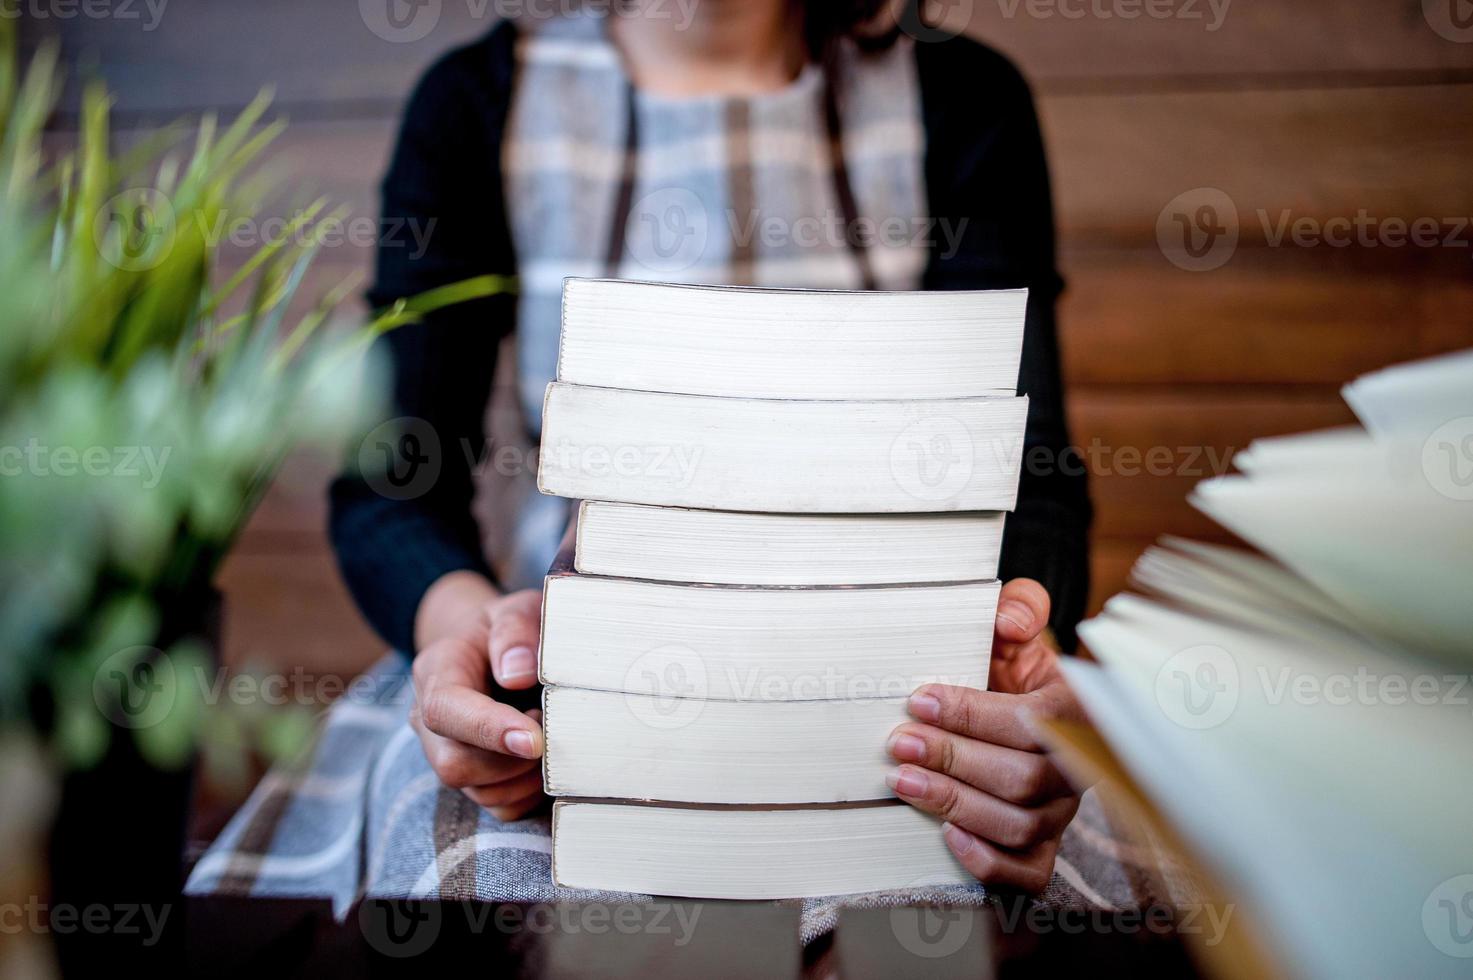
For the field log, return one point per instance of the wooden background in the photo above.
(1324, 109)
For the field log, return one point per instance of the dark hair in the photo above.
(828, 21)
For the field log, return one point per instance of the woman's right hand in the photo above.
(487, 750)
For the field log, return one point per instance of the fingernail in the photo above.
(521, 743)
(957, 839)
(517, 663)
(907, 748)
(907, 782)
(926, 707)
(1017, 613)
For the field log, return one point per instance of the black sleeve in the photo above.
(401, 515)
(985, 167)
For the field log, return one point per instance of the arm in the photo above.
(401, 519)
(988, 178)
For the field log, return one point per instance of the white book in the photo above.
(1414, 398)
(790, 343)
(695, 750)
(769, 644)
(1268, 755)
(787, 456)
(679, 544)
(749, 854)
(1392, 552)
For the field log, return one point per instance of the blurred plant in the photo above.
(139, 422)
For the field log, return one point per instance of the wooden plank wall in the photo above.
(1293, 110)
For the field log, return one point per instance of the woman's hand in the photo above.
(487, 750)
(971, 756)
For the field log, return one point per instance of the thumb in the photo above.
(1022, 611)
(512, 642)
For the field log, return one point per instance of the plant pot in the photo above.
(118, 837)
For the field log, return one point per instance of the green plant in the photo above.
(144, 406)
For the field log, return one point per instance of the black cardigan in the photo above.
(984, 162)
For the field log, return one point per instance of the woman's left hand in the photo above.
(972, 758)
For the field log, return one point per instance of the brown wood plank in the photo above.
(1146, 448)
(1109, 562)
(1394, 153)
(327, 57)
(284, 610)
(1268, 316)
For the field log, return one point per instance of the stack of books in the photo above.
(1302, 716)
(792, 510)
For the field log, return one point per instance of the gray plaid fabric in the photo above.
(731, 191)
(362, 814)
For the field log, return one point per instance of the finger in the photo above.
(463, 715)
(996, 820)
(1009, 774)
(508, 791)
(1031, 871)
(519, 809)
(991, 716)
(1022, 610)
(513, 635)
(459, 765)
